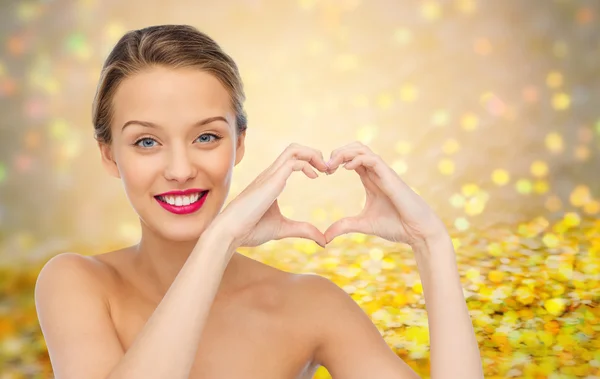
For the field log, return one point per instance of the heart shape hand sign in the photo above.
(392, 210)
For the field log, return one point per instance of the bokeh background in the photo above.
(488, 109)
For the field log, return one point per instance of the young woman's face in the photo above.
(178, 152)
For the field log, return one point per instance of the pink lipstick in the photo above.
(195, 198)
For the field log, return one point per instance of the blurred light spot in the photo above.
(319, 215)
(450, 146)
(129, 231)
(28, 11)
(554, 79)
(431, 10)
(580, 195)
(345, 62)
(461, 223)
(530, 94)
(554, 142)
(550, 240)
(585, 15)
(385, 100)
(22, 162)
(475, 205)
(470, 189)
(408, 93)
(16, 45)
(446, 166)
(114, 31)
(585, 134)
(402, 147)
(560, 49)
(582, 153)
(500, 177)
(366, 134)
(539, 169)
(541, 187)
(592, 208)
(572, 219)
(376, 254)
(287, 211)
(440, 117)
(553, 203)
(58, 128)
(399, 166)
(469, 121)
(307, 4)
(561, 101)
(403, 36)
(524, 186)
(3, 172)
(32, 139)
(466, 6)
(457, 200)
(493, 104)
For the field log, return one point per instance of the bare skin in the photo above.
(183, 304)
(254, 328)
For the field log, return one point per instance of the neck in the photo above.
(160, 260)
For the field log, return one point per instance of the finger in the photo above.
(345, 155)
(297, 229)
(297, 151)
(344, 226)
(352, 145)
(297, 165)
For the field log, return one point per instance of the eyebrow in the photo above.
(153, 125)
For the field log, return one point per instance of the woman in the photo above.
(182, 303)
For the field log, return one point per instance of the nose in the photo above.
(180, 167)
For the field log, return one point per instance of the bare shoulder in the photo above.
(74, 316)
(74, 266)
(347, 342)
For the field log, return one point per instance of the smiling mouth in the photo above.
(182, 201)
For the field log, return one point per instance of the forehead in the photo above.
(161, 92)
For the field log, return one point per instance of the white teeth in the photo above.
(180, 200)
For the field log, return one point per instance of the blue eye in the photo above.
(137, 143)
(152, 140)
(209, 134)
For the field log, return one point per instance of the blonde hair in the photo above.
(174, 46)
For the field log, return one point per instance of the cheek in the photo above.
(137, 173)
(219, 168)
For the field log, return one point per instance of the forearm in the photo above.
(454, 350)
(167, 345)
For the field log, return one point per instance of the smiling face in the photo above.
(173, 129)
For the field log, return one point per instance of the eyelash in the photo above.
(217, 137)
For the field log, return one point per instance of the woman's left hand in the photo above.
(392, 210)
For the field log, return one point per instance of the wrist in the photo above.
(218, 238)
(435, 251)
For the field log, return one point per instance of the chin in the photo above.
(181, 235)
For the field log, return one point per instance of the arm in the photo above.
(81, 339)
(454, 351)
(348, 344)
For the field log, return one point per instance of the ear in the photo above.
(108, 160)
(241, 147)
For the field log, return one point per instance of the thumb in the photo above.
(290, 228)
(344, 226)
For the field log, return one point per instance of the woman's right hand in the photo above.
(253, 217)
